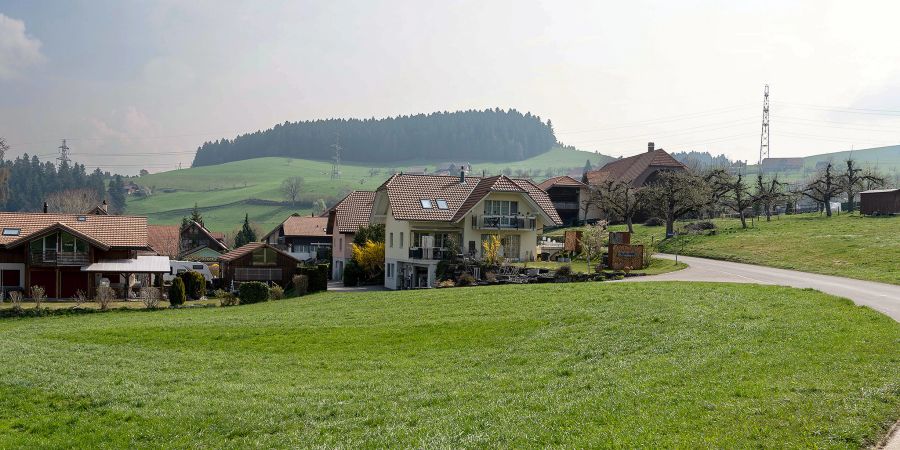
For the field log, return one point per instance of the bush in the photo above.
(194, 284)
(176, 292)
(105, 297)
(318, 277)
(227, 298)
(564, 270)
(697, 227)
(253, 292)
(352, 273)
(490, 277)
(15, 297)
(301, 284)
(38, 295)
(276, 292)
(446, 284)
(465, 279)
(654, 222)
(150, 297)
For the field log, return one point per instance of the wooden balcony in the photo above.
(55, 258)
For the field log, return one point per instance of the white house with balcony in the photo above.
(430, 218)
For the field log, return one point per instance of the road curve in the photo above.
(878, 296)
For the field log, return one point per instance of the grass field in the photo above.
(221, 190)
(657, 266)
(885, 159)
(848, 245)
(575, 365)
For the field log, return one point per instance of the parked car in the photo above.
(179, 267)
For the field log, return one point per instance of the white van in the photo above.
(179, 267)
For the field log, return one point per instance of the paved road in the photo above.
(879, 296)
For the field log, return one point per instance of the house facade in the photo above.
(430, 218)
(344, 220)
(569, 197)
(303, 237)
(257, 261)
(67, 253)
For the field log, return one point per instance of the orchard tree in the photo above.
(853, 179)
(620, 199)
(674, 194)
(731, 192)
(822, 188)
(768, 194)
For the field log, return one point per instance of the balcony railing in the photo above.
(566, 205)
(494, 222)
(430, 253)
(55, 258)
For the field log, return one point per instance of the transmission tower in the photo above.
(764, 138)
(336, 159)
(63, 153)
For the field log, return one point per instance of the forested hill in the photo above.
(490, 135)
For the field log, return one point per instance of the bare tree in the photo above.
(291, 187)
(853, 179)
(620, 199)
(823, 188)
(73, 201)
(731, 192)
(768, 193)
(675, 194)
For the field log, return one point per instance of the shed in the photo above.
(258, 261)
(879, 201)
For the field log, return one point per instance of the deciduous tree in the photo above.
(675, 194)
(290, 188)
(823, 188)
(853, 178)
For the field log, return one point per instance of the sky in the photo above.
(141, 84)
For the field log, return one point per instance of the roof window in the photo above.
(441, 203)
(81, 218)
(426, 203)
(11, 231)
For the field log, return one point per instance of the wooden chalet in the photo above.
(257, 261)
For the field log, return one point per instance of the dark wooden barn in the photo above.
(257, 261)
(879, 201)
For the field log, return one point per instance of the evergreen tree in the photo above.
(195, 215)
(246, 235)
(588, 167)
(116, 195)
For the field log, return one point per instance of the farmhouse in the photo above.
(569, 196)
(66, 253)
(303, 237)
(639, 170)
(778, 164)
(429, 218)
(257, 261)
(344, 220)
(879, 201)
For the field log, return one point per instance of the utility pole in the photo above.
(63, 153)
(764, 137)
(336, 160)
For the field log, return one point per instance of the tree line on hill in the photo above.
(708, 193)
(26, 183)
(488, 135)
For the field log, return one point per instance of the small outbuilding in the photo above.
(257, 261)
(879, 201)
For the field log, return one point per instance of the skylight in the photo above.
(442, 204)
(81, 218)
(11, 231)
(426, 203)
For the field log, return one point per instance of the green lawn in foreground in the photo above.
(847, 245)
(570, 365)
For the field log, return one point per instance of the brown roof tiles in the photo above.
(352, 212)
(105, 231)
(631, 168)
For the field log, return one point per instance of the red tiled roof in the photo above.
(406, 191)
(629, 169)
(352, 212)
(105, 231)
(164, 239)
(305, 226)
(563, 180)
(248, 248)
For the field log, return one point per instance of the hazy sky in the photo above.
(136, 84)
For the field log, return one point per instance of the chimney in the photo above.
(45, 207)
(650, 147)
(462, 175)
(104, 206)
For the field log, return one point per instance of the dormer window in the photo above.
(426, 203)
(11, 231)
(441, 203)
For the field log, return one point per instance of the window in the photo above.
(442, 204)
(392, 240)
(11, 231)
(69, 243)
(81, 219)
(501, 207)
(264, 257)
(426, 203)
(197, 266)
(401, 239)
